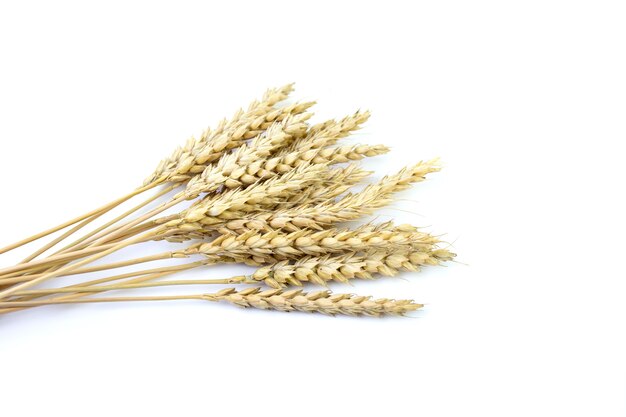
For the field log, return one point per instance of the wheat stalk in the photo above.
(322, 302)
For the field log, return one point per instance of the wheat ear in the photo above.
(231, 167)
(344, 267)
(213, 143)
(325, 185)
(328, 133)
(351, 207)
(280, 245)
(314, 302)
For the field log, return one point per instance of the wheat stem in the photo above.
(12, 304)
(25, 285)
(51, 261)
(142, 276)
(240, 279)
(122, 216)
(97, 268)
(62, 226)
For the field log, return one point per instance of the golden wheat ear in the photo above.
(323, 302)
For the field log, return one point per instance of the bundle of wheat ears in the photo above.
(268, 190)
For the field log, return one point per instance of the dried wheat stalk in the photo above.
(294, 300)
(193, 158)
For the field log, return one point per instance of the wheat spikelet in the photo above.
(316, 215)
(214, 150)
(352, 206)
(345, 267)
(351, 175)
(264, 193)
(280, 245)
(328, 133)
(240, 198)
(250, 199)
(197, 153)
(183, 158)
(228, 170)
(232, 210)
(337, 182)
(330, 155)
(305, 148)
(328, 184)
(264, 169)
(303, 184)
(315, 302)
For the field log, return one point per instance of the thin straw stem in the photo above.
(56, 261)
(120, 264)
(108, 237)
(62, 237)
(25, 285)
(101, 300)
(74, 245)
(118, 231)
(62, 226)
(145, 276)
(239, 279)
(4, 272)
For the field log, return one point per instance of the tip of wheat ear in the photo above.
(323, 302)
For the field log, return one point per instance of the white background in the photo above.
(523, 101)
